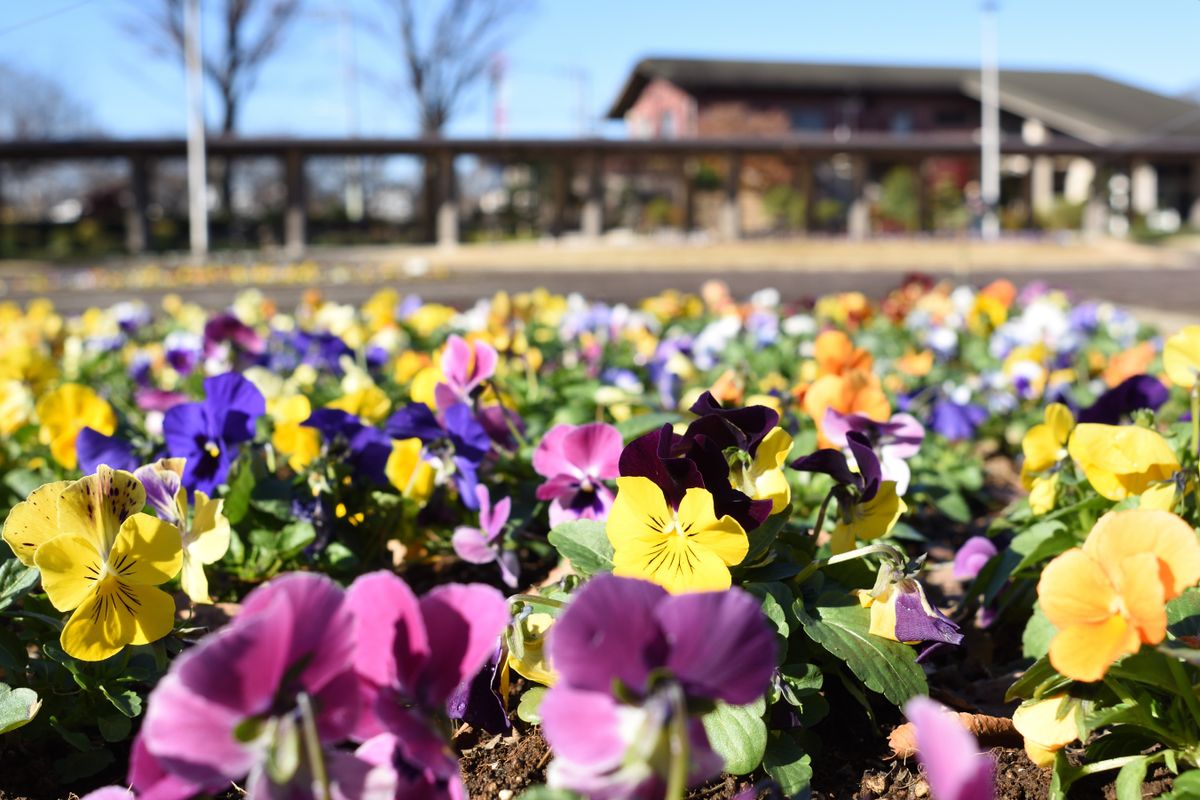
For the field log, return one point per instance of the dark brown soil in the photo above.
(1016, 779)
(511, 763)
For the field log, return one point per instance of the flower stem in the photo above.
(677, 777)
(312, 743)
(1107, 764)
(867, 550)
(816, 530)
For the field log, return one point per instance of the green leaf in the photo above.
(954, 506)
(114, 727)
(237, 499)
(636, 426)
(1130, 779)
(1041, 542)
(762, 537)
(1035, 682)
(78, 766)
(585, 543)
(127, 702)
(840, 625)
(776, 598)
(1183, 614)
(788, 765)
(15, 580)
(17, 707)
(1035, 642)
(738, 734)
(295, 537)
(531, 701)
(1187, 786)
(546, 793)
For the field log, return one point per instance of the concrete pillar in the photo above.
(1081, 172)
(295, 219)
(858, 217)
(687, 171)
(808, 187)
(1095, 212)
(730, 221)
(137, 227)
(924, 207)
(1143, 187)
(560, 189)
(592, 216)
(1041, 185)
(447, 210)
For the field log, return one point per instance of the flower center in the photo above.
(211, 448)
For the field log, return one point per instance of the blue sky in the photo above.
(303, 91)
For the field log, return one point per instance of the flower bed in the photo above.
(697, 547)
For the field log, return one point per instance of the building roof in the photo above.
(1082, 104)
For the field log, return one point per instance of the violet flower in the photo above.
(956, 421)
(631, 659)
(954, 767)
(972, 557)
(895, 440)
(209, 433)
(466, 366)
(94, 449)
(364, 448)
(227, 328)
(183, 351)
(485, 544)
(1133, 393)
(576, 460)
(456, 443)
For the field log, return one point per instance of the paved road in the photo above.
(1170, 290)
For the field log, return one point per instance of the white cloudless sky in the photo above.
(564, 52)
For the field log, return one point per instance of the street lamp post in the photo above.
(196, 180)
(989, 98)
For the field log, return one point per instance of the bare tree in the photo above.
(33, 106)
(447, 54)
(251, 32)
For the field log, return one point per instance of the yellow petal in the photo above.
(34, 521)
(116, 615)
(1043, 494)
(876, 517)
(193, 581)
(1039, 722)
(70, 566)
(1074, 589)
(1122, 460)
(638, 504)
(1120, 534)
(207, 539)
(96, 506)
(293, 409)
(408, 471)
(1041, 448)
(773, 485)
(147, 551)
(1159, 497)
(1085, 652)
(675, 566)
(368, 403)
(1060, 421)
(773, 450)
(1181, 357)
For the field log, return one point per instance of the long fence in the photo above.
(592, 157)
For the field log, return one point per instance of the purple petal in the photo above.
(1137, 392)
(972, 556)
(608, 631)
(235, 401)
(391, 643)
(953, 764)
(456, 361)
(904, 435)
(595, 449)
(735, 666)
(498, 518)
(94, 449)
(470, 544)
(837, 425)
(867, 462)
(742, 427)
(918, 621)
(162, 481)
(651, 456)
(415, 420)
(828, 461)
(469, 437)
(463, 624)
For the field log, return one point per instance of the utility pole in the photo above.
(355, 195)
(989, 140)
(196, 180)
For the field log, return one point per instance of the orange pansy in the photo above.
(1134, 361)
(856, 392)
(1109, 597)
(837, 355)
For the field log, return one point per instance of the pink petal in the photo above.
(594, 449)
(485, 363)
(456, 361)
(548, 458)
(463, 624)
(837, 425)
(499, 518)
(583, 727)
(484, 497)
(561, 485)
(955, 768)
(470, 544)
(391, 643)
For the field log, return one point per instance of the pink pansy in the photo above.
(485, 544)
(896, 440)
(954, 767)
(575, 460)
(109, 793)
(465, 367)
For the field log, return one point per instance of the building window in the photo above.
(666, 125)
(807, 119)
(951, 118)
(902, 123)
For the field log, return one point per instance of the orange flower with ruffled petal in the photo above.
(1109, 597)
(837, 355)
(1134, 361)
(856, 392)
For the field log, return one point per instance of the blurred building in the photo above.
(666, 98)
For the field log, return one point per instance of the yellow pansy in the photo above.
(369, 404)
(1124, 460)
(406, 470)
(33, 521)
(1045, 447)
(763, 477)
(1048, 725)
(299, 443)
(66, 411)
(205, 541)
(380, 310)
(16, 406)
(102, 558)
(421, 390)
(532, 664)
(683, 550)
(869, 520)
(429, 317)
(408, 364)
(1181, 357)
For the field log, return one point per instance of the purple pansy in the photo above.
(456, 442)
(225, 329)
(834, 463)
(576, 460)
(465, 368)
(956, 421)
(895, 440)
(629, 657)
(485, 544)
(972, 557)
(364, 448)
(94, 449)
(918, 620)
(954, 767)
(209, 433)
(1132, 394)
